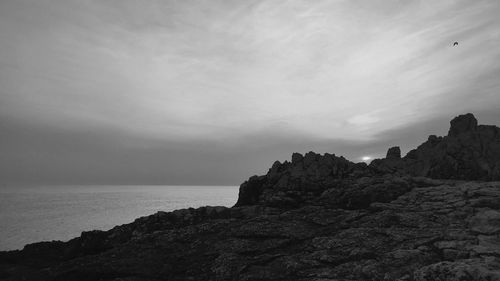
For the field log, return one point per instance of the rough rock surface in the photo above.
(393, 153)
(318, 217)
(468, 152)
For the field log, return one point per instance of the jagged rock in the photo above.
(462, 124)
(291, 184)
(393, 153)
(250, 191)
(468, 152)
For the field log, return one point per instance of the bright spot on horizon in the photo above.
(366, 158)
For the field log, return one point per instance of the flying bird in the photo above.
(455, 44)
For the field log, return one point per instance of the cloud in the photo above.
(182, 72)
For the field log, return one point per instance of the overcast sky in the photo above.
(212, 92)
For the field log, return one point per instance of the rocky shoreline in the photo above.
(433, 214)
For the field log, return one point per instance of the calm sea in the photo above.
(45, 213)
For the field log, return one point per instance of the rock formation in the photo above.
(433, 214)
(468, 152)
(393, 153)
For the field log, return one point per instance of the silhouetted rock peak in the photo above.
(297, 157)
(469, 152)
(393, 153)
(462, 124)
(293, 183)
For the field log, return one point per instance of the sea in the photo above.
(46, 213)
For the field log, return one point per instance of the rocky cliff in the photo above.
(468, 152)
(433, 214)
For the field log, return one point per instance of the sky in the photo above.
(211, 92)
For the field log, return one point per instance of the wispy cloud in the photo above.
(226, 70)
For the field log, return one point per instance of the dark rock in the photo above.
(364, 191)
(297, 158)
(393, 153)
(296, 183)
(469, 152)
(250, 191)
(426, 233)
(466, 123)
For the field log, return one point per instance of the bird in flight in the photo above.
(455, 44)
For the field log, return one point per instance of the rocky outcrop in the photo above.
(468, 152)
(421, 217)
(299, 182)
(463, 124)
(393, 153)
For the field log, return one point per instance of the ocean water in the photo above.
(45, 213)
